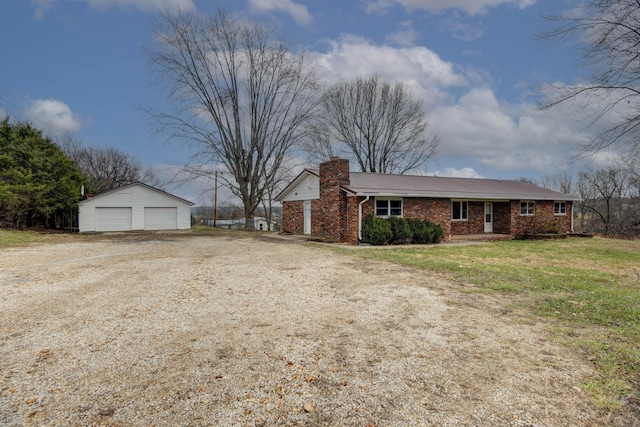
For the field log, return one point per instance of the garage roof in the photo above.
(139, 184)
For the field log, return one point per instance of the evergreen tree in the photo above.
(39, 185)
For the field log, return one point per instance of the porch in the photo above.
(479, 237)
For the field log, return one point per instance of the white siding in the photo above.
(136, 197)
(308, 188)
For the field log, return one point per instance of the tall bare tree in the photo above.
(607, 32)
(237, 94)
(379, 125)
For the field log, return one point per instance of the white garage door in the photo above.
(160, 218)
(113, 219)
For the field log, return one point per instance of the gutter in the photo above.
(366, 199)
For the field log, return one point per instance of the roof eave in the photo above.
(355, 192)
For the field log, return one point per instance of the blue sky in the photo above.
(78, 66)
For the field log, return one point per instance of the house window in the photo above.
(388, 207)
(527, 208)
(560, 208)
(459, 210)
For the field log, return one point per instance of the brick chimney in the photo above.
(333, 202)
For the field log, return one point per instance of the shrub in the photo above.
(425, 231)
(376, 231)
(436, 232)
(400, 230)
(397, 231)
(419, 231)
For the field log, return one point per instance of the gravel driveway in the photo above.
(170, 330)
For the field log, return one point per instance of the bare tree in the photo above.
(381, 126)
(272, 189)
(237, 94)
(607, 34)
(106, 168)
(611, 197)
(561, 181)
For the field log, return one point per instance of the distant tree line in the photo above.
(610, 196)
(105, 168)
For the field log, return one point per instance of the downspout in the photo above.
(366, 199)
(572, 210)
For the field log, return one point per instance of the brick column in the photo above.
(331, 219)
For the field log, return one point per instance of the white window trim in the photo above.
(534, 207)
(388, 199)
(560, 213)
(459, 219)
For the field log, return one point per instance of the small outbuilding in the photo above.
(134, 207)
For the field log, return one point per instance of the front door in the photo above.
(488, 217)
(307, 217)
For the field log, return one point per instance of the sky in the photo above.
(79, 67)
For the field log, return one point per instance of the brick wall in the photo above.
(546, 207)
(293, 217)
(351, 232)
(434, 210)
(502, 217)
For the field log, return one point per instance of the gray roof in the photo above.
(374, 184)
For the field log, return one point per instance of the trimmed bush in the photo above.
(419, 230)
(436, 232)
(376, 231)
(400, 230)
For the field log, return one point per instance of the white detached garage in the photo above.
(134, 207)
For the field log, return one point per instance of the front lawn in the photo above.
(588, 288)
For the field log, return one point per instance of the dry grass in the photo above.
(589, 289)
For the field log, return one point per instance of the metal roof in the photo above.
(375, 184)
(389, 185)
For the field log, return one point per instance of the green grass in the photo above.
(10, 238)
(586, 285)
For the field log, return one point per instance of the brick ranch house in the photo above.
(332, 202)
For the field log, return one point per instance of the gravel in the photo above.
(182, 330)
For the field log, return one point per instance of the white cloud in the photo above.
(42, 6)
(475, 125)
(145, 5)
(379, 7)
(454, 25)
(52, 117)
(458, 173)
(419, 68)
(405, 36)
(471, 7)
(502, 136)
(298, 12)
(477, 131)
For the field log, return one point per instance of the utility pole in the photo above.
(215, 198)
